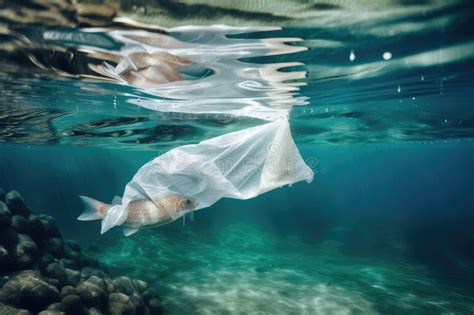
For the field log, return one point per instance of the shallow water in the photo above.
(243, 269)
(381, 111)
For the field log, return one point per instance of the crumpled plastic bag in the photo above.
(240, 165)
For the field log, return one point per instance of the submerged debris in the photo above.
(42, 273)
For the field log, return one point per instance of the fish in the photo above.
(141, 60)
(155, 40)
(141, 213)
(144, 69)
(138, 68)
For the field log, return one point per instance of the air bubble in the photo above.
(387, 55)
(352, 56)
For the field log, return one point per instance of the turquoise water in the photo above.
(387, 230)
(381, 110)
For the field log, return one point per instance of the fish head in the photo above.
(176, 202)
(187, 203)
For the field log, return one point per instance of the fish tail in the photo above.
(93, 209)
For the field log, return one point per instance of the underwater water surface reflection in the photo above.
(367, 74)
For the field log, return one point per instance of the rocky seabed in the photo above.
(42, 273)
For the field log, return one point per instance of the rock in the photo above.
(69, 263)
(86, 272)
(58, 272)
(8, 238)
(93, 291)
(72, 305)
(52, 281)
(138, 305)
(68, 290)
(43, 226)
(2, 195)
(4, 259)
(124, 285)
(3, 280)
(55, 246)
(44, 261)
(20, 224)
(109, 284)
(94, 311)
(73, 245)
(28, 290)
(9, 310)
(54, 307)
(24, 253)
(155, 307)
(51, 312)
(16, 204)
(120, 304)
(72, 277)
(146, 295)
(140, 286)
(71, 254)
(51, 228)
(5, 216)
(38, 229)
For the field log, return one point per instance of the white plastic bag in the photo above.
(240, 165)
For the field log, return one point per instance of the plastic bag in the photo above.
(240, 165)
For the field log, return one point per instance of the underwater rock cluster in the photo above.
(41, 273)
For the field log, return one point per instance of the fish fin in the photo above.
(93, 209)
(115, 216)
(129, 231)
(110, 69)
(116, 201)
(111, 73)
(190, 216)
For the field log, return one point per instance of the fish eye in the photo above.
(188, 201)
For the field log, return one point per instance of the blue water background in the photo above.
(368, 197)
